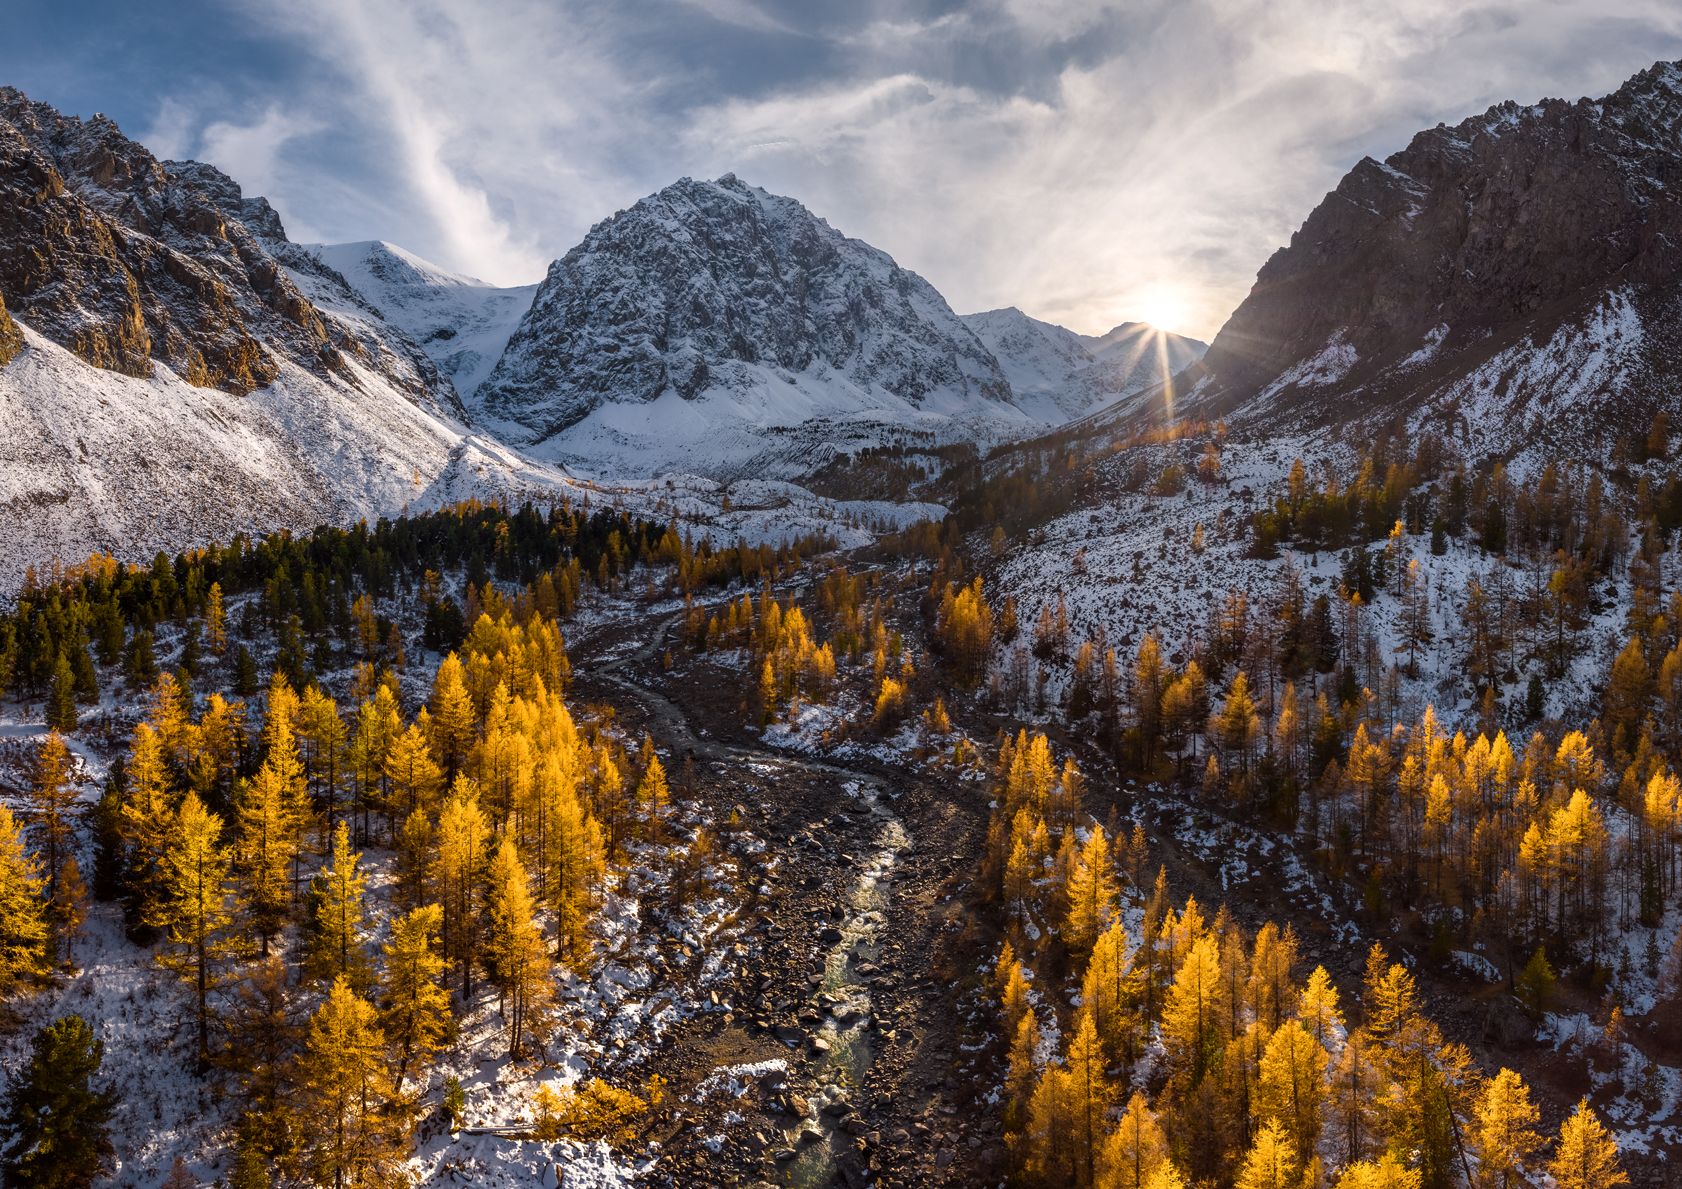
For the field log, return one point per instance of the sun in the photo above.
(1163, 306)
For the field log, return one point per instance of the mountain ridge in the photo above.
(1522, 259)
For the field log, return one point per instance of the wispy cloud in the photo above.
(1067, 156)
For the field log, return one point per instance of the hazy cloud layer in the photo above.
(1087, 161)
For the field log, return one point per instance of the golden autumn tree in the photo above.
(262, 849)
(515, 953)
(1191, 1013)
(343, 1080)
(463, 835)
(416, 1006)
(144, 820)
(1504, 1131)
(25, 937)
(653, 793)
(1293, 1084)
(1092, 893)
(194, 909)
(1271, 1162)
(333, 947)
(1135, 1150)
(1586, 1156)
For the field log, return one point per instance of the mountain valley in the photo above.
(717, 715)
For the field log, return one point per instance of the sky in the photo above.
(1090, 162)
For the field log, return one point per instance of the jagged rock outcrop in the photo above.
(1525, 258)
(107, 252)
(185, 373)
(718, 286)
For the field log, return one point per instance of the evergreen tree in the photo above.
(57, 1120)
(61, 698)
(140, 666)
(245, 673)
(52, 798)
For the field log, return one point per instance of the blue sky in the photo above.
(1088, 161)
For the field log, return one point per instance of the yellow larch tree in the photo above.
(1504, 1131)
(25, 937)
(194, 910)
(416, 1007)
(463, 835)
(1092, 894)
(349, 1134)
(515, 954)
(1191, 1014)
(1271, 1162)
(334, 942)
(1293, 1084)
(1586, 1156)
(1135, 1150)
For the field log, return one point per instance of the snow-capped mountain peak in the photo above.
(461, 322)
(787, 338)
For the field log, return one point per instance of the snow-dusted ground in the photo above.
(1127, 566)
(655, 963)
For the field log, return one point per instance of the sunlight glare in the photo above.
(1162, 306)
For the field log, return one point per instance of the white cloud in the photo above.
(1067, 156)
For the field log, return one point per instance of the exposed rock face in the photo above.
(11, 338)
(710, 285)
(1523, 231)
(107, 253)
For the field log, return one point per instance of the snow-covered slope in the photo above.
(715, 327)
(186, 373)
(130, 465)
(461, 322)
(1058, 375)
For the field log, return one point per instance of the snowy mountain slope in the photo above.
(130, 465)
(779, 335)
(1513, 279)
(464, 324)
(1058, 375)
(180, 375)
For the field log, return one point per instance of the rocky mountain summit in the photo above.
(163, 341)
(1516, 273)
(721, 290)
(127, 264)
